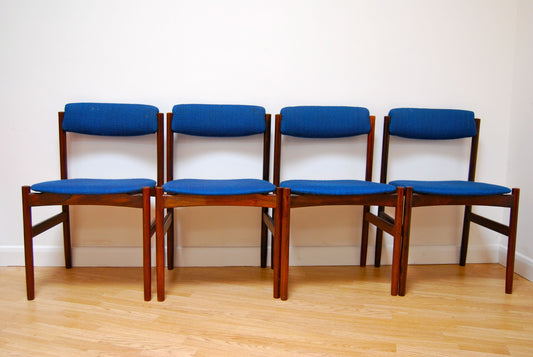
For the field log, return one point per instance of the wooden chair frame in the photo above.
(34, 199)
(165, 204)
(289, 201)
(423, 200)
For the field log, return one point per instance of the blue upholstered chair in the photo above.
(330, 123)
(446, 124)
(222, 121)
(95, 119)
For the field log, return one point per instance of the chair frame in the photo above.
(167, 202)
(34, 199)
(423, 200)
(391, 226)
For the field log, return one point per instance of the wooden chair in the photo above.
(223, 121)
(447, 124)
(97, 119)
(328, 123)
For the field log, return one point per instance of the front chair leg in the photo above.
(160, 244)
(511, 244)
(147, 251)
(28, 243)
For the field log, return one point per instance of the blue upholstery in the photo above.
(218, 120)
(336, 187)
(436, 124)
(110, 119)
(455, 188)
(324, 122)
(218, 187)
(93, 186)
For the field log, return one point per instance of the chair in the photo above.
(447, 124)
(328, 123)
(96, 119)
(222, 121)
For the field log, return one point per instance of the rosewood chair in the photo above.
(325, 124)
(447, 124)
(96, 119)
(226, 122)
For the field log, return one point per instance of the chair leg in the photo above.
(147, 250)
(160, 244)
(364, 238)
(406, 231)
(264, 238)
(28, 244)
(170, 240)
(511, 245)
(466, 233)
(379, 242)
(397, 244)
(284, 243)
(67, 245)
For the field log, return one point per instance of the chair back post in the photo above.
(385, 150)
(62, 148)
(160, 149)
(266, 148)
(277, 150)
(473, 153)
(170, 148)
(370, 149)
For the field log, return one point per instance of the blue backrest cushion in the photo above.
(218, 120)
(434, 124)
(324, 121)
(110, 119)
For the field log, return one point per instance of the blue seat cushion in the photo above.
(83, 186)
(455, 188)
(218, 187)
(336, 187)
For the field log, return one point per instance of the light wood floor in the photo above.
(332, 311)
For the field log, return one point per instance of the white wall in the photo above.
(380, 54)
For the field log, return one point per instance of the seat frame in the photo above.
(34, 199)
(391, 226)
(166, 202)
(413, 199)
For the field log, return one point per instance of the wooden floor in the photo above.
(332, 311)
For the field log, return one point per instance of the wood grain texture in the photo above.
(332, 311)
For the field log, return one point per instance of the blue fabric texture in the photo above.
(336, 187)
(324, 122)
(110, 119)
(82, 186)
(218, 187)
(218, 120)
(456, 188)
(433, 124)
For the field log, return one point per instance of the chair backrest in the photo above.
(110, 119)
(218, 120)
(324, 122)
(430, 124)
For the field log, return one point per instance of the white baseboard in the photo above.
(249, 256)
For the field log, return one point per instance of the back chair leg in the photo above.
(264, 239)
(170, 241)
(67, 245)
(364, 238)
(466, 233)
(379, 241)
